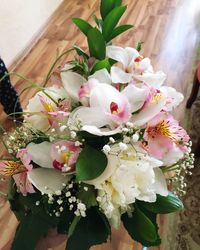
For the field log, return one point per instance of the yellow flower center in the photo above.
(10, 168)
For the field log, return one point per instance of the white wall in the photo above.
(20, 21)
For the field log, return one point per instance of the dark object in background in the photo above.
(8, 96)
(195, 88)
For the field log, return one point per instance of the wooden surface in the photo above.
(170, 30)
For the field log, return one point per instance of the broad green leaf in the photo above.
(164, 205)
(90, 230)
(103, 64)
(90, 164)
(117, 31)
(111, 21)
(30, 230)
(96, 43)
(82, 25)
(141, 228)
(107, 6)
(80, 52)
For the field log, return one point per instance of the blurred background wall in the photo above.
(20, 23)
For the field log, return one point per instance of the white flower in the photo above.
(38, 109)
(133, 67)
(132, 175)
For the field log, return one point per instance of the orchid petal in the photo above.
(149, 112)
(102, 76)
(119, 54)
(172, 156)
(120, 76)
(136, 96)
(174, 97)
(132, 54)
(90, 116)
(100, 132)
(47, 181)
(154, 79)
(72, 83)
(160, 184)
(41, 154)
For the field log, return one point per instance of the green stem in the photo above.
(53, 66)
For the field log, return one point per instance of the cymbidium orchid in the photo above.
(57, 162)
(108, 106)
(134, 66)
(79, 88)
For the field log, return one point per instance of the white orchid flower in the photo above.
(46, 179)
(133, 67)
(109, 107)
(79, 88)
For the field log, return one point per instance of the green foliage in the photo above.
(142, 227)
(107, 6)
(82, 25)
(96, 43)
(164, 205)
(30, 230)
(80, 52)
(111, 21)
(103, 64)
(120, 29)
(90, 230)
(90, 164)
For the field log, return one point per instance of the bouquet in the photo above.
(96, 149)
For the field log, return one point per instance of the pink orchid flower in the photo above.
(162, 134)
(64, 155)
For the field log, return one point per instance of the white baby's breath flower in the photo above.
(106, 149)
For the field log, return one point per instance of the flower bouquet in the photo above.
(93, 151)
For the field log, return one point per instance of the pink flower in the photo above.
(64, 155)
(25, 158)
(21, 180)
(161, 133)
(84, 91)
(23, 184)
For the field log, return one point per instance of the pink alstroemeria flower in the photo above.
(162, 134)
(64, 155)
(21, 179)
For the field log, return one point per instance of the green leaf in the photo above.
(82, 25)
(107, 6)
(90, 230)
(96, 43)
(65, 221)
(111, 21)
(87, 195)
(90, 164)
(164, 204)
(80, 52)
(30, 230)
(73, 225)
(117, 31)
(141, 228)
(103, 64)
